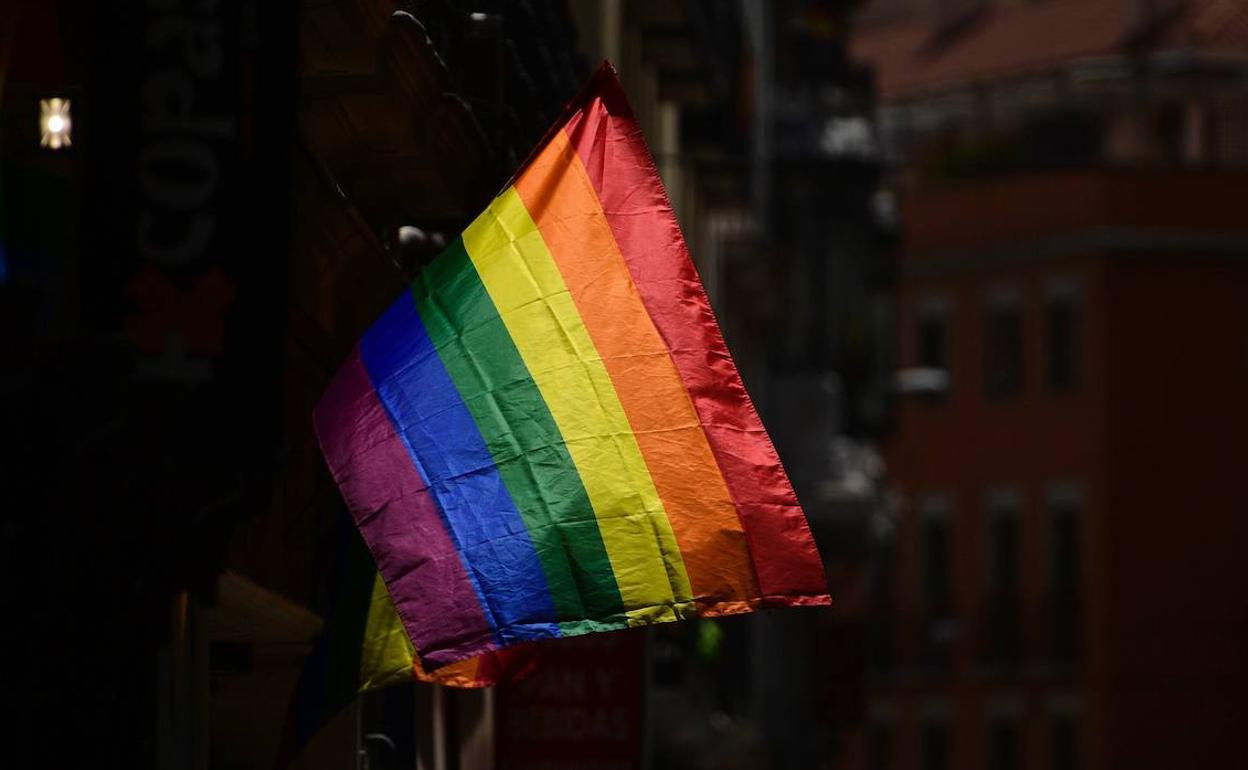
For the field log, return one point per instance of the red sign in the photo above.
(581, 709)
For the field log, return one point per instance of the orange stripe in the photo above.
(509, 664)
(560, 198)
(461, 673)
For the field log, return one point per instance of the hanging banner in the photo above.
(582, 709)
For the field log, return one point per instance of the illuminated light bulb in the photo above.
(54, 123)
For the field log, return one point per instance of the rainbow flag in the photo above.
(547, 435)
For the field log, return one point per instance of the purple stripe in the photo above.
(399, 520)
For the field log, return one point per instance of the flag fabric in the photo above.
(547, 436)
(364, 647)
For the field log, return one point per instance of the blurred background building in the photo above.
(1062, 585)
(982, 266)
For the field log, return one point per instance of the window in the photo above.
(1065, 564)
(934, 745)
(1001, 585)
(879, 747)
(936, 560)
(1065, 504)
(1003, 551)
(880, 627)
(1003, 344)
(1231, 132)
(1170, 131)
(1063, 341)
(932, 339)
(1002, 744)
(1063, 742)
(938, 625)
(929, 373)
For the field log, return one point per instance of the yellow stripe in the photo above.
(524, 282)
(387, 653)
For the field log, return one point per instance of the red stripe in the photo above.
(614, 153)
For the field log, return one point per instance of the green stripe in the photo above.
(522, 437)
(387, 653)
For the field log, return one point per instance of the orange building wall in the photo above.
(1154, 436)
(1174, 558)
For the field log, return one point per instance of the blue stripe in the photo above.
(449, 451)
